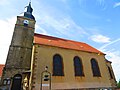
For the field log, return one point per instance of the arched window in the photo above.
(57, 65)
(95, 68)
(78, 67)
(110, 72)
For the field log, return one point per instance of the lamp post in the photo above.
(46, 77)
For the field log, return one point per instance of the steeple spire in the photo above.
(29, 11)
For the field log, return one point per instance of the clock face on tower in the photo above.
(26, 22)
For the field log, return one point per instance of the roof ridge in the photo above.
(58, 38)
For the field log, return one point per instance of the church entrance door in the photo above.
(16, 84)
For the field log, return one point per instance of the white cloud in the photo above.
(40, 29)
(112, 42)
(60, 25)
(66, 26)
(56, 22)
(7, 27)
(116, 4)
(101, 3)
(100, 38)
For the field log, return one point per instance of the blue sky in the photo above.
(95, 22)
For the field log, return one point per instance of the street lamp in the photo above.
(46, 77)
(46, 68)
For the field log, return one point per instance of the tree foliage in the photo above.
(118, 84)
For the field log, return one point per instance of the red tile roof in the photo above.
(63, 43)
(1, 69)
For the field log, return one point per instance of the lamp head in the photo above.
(46, 68)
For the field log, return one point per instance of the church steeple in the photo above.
(29, 11)
(18, 61)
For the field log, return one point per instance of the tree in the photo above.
(118, 84)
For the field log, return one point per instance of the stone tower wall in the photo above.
(20, 51)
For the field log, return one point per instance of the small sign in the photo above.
(45, 84)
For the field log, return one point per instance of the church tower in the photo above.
(18, 61)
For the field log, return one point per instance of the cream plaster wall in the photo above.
(44, 57)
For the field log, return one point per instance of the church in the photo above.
(42, 62)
